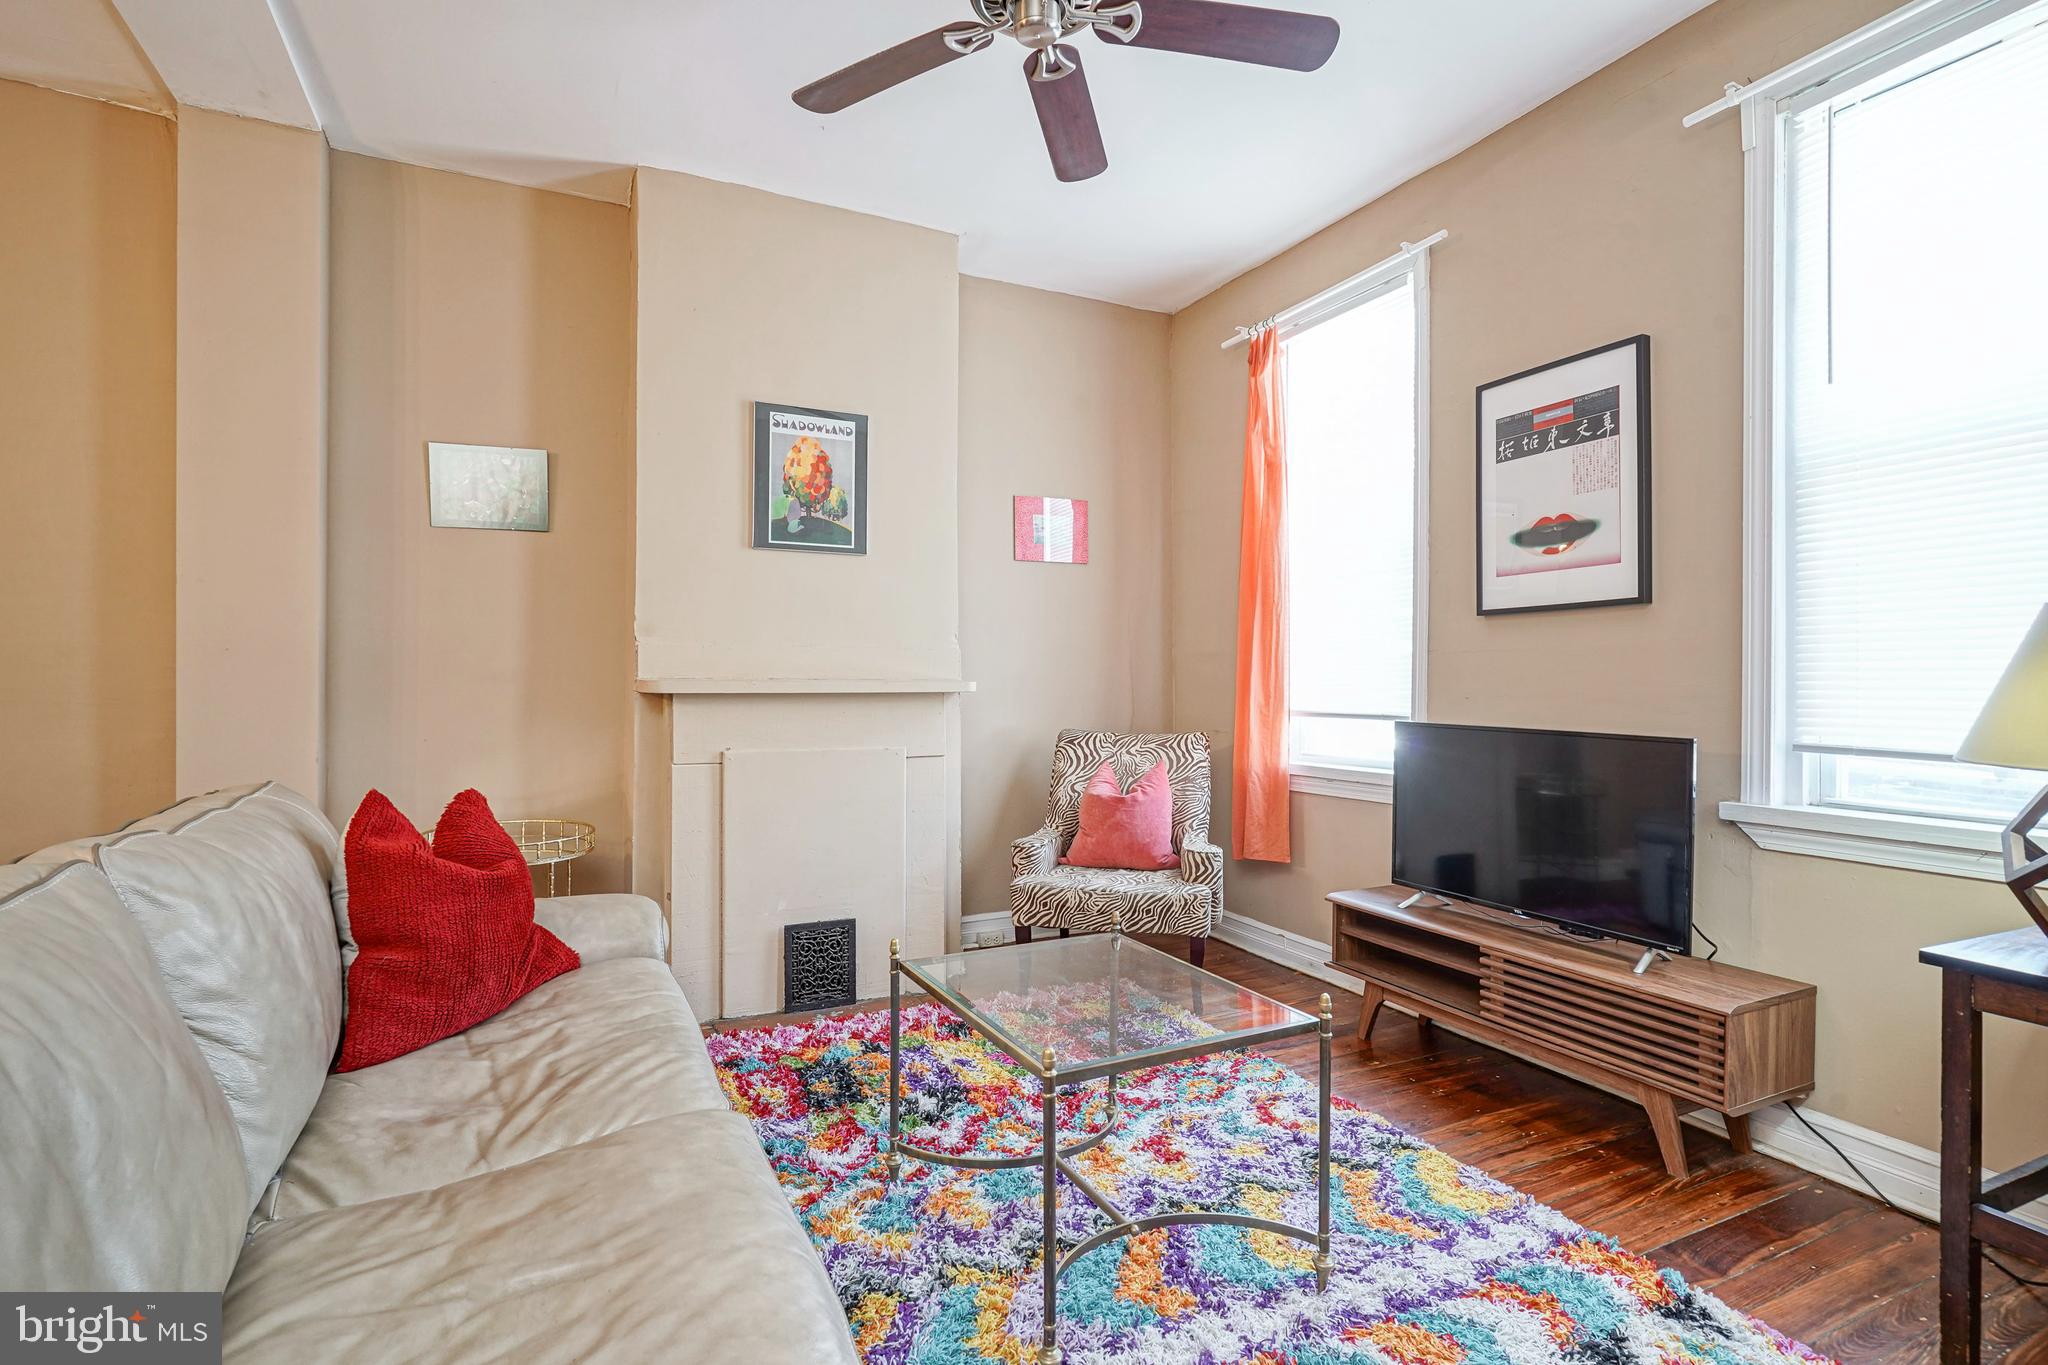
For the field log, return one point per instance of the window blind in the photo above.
(1351, 523)
(1914, 392)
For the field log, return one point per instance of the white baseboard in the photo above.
(1910, 1176)
(1306, 955)
(1309, 956)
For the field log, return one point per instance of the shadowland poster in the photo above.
(810, 480)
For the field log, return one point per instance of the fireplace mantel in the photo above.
(792, 800)
(700, 687)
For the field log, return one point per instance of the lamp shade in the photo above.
(2012, 730)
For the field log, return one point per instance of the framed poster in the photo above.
(1050, 530)
(1564, 483)
(487, 488)
(810, 480)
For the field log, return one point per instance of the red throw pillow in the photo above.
(445, 933)
(1131, 829)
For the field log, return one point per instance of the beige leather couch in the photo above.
(562, 1182)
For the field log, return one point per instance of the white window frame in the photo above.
(1771, 810)
(1375, 782)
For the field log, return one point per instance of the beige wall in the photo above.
(742, 296)
(631, 347)
(87, 454)
(1639, 229)
(476, 312)
(252, 445)
(1054, 645)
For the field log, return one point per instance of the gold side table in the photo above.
(551, 843)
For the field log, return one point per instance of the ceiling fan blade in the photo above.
(1066, 115)
(1236, 33)
(880, 72)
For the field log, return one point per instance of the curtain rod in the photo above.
(1408, 251)
(1877, 39)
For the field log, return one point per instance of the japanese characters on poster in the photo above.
(1564, 483)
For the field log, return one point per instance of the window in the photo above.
(1353, 501)
(1899, 461)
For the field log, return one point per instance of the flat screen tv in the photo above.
(1590, 832)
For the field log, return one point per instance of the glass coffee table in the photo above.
(1075, 1010)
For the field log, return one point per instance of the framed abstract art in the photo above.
(1564, 483)
(487, 488)
(1050, 530)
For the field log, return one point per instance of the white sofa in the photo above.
(562, 1182)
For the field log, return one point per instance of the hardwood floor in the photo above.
(1819, 1262)
(1824, 1264)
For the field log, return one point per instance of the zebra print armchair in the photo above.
(1044, 894)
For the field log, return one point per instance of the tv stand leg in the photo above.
(1419, 897)
(1650, 958)
(1369, 1011)
(1663, 1112)
(1738, 1132)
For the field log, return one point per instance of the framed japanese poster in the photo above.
(810, 480)
(1564, 483)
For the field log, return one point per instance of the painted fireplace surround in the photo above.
(792, 800)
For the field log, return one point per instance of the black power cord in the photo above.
(1885, 1199)
(1713, 949)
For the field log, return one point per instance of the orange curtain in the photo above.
(1258, 783)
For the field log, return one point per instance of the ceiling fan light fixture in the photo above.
(1036, 23)
(1223, 29)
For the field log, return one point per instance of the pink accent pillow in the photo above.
(1132, 830)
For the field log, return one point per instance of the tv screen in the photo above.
(1589, 831)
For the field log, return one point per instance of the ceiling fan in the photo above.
(1059, 87)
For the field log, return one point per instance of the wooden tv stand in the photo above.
(1684, 1035)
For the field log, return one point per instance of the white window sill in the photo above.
(1351, 784)
(1918, 843)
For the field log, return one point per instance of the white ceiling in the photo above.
(80, 46)
(1214, 166)
(221, 54)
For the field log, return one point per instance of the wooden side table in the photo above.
(2003, 974)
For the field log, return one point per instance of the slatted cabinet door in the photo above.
(1660, 1042)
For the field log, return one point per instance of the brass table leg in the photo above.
(1323, 1155)
(892, 1160)
(1116, 956)
(1048, 1110)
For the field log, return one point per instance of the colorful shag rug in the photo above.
(1436, 1263)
